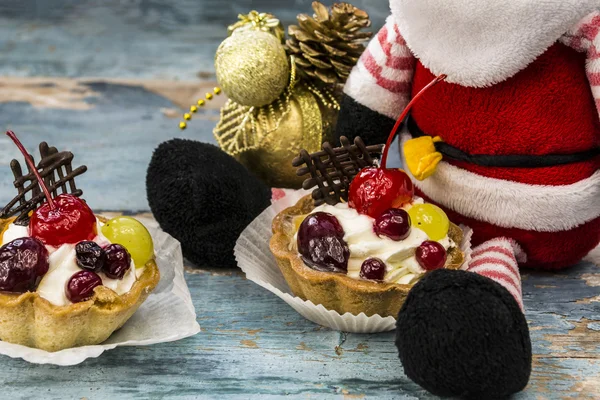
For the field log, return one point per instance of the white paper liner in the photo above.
(258, 263)
(167, 314)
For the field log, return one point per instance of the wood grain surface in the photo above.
(108, 80)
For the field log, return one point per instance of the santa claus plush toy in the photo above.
(508, 144)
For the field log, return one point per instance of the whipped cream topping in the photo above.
(399, 256)
(63, 266)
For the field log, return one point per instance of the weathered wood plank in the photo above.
(149, 39)
(113, 129)
(254, 344)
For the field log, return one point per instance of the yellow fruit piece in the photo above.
(133, 235)
(430, 219)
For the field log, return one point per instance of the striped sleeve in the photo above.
(382, 78)
(585, 37)
(498, 260)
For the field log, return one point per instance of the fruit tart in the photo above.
(67, 277)
(363, 239)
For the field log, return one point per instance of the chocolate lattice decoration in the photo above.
(332, 169)
(56, 171)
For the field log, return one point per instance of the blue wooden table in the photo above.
(108, 80)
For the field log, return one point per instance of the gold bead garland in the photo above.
(200, 103)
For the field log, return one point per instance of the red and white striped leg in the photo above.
(498, 260)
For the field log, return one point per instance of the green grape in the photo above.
(131, 234)
(430, 219)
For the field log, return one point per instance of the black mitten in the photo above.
(204, 198)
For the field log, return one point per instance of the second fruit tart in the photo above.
(366, 239)
(67, 277)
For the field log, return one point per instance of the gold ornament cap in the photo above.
(259, 21)
(252, 67)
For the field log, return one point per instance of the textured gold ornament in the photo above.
(266, 139)
(259, 21)
(252, 67)
(328, 45)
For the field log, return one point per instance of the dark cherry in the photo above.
(321, 243)
(327, 254)
(118, 261)
(373, 269)
(394, 224)
(431, 255)
(89, 256)
(320, 224)
(375, 190)
(80, 287)
(22, 262)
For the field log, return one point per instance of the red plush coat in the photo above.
(519, 87)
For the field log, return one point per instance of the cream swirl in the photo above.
(63, 265)
(399, 256)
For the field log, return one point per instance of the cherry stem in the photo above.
(32, 166)
(403, 116)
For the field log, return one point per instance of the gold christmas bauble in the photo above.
(252, 67)
(301, 128)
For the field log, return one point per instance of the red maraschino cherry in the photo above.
(375, 190)
(64, 219)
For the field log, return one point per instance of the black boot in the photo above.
(462, 334)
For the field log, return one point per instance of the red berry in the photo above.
(431, 255)
(375, 190)
(71, 221)
(373, 269)
(394, 223)
(81, 286)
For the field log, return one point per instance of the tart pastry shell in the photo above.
(340, 292)
(30, 320)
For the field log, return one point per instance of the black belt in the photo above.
(507, 161)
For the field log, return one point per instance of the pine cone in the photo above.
(327, 45)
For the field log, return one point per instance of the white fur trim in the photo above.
(594, 256)
(363, 88)
(510, 204)
(479, 43)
